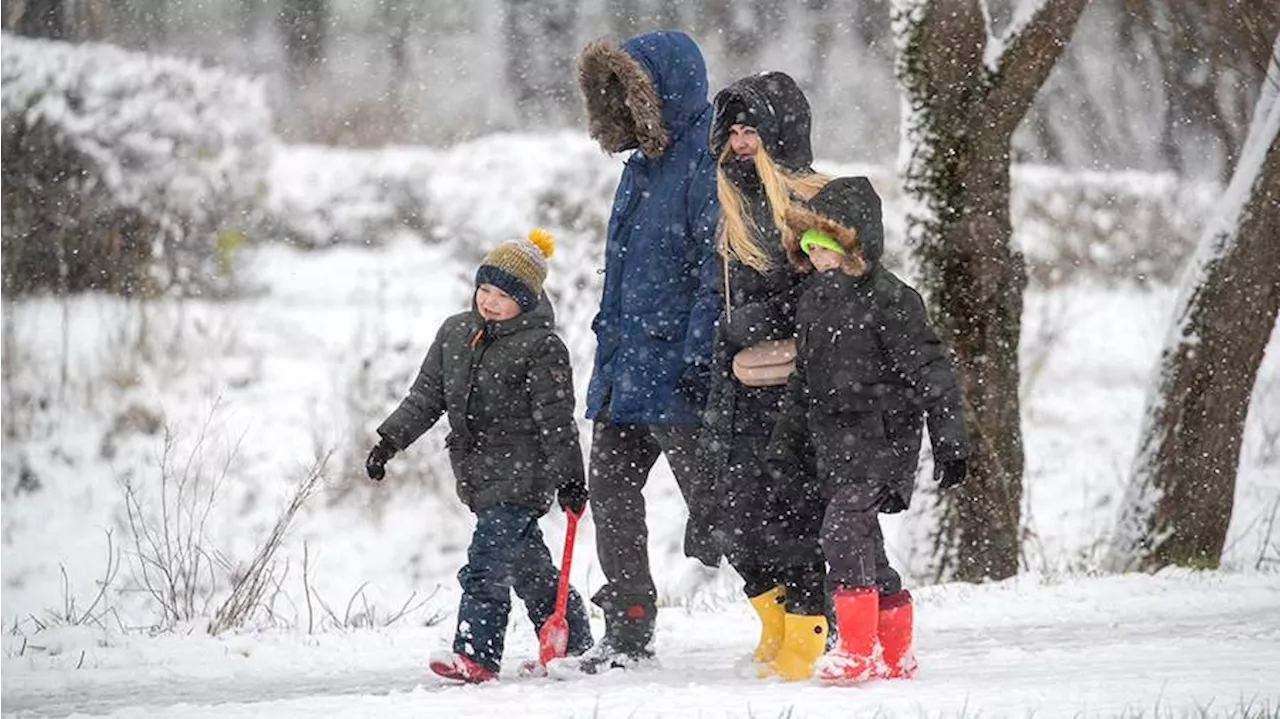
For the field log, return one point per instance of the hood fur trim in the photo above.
(620, 123)
(800, 219)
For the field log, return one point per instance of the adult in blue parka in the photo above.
(656, 321)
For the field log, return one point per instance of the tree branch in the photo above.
(1021, 60)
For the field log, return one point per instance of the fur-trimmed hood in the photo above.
(848, 209)
(645, 93)
(776, 107)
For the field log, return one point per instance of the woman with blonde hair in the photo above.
(769, 518)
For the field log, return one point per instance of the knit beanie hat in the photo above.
(519, 267)
(813, 237)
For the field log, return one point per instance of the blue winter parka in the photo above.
(661, 292)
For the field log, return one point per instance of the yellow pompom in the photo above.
(543, 240)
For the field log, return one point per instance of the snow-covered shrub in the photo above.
(124, 171)
(1109, 226)
(326, 196)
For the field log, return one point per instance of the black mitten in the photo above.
(694, 384)
(376, 465)
(950, 473)
(572, 497)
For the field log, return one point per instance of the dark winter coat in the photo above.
(507, 388)
(761, 304)
(660, 296)
(781, 510)
(869, 364)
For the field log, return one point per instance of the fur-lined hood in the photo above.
(776, 107)
(848, 209)
(645, 93)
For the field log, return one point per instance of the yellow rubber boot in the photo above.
(771, 610)
(804, 640)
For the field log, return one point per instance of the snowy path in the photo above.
(1174, 645)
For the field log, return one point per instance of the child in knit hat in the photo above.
(502, 376)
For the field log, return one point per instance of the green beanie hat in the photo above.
(814, 237)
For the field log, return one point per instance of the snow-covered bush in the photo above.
(1110, 226)
(327, 196)
(124, 171)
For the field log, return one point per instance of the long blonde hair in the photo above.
(739, 234)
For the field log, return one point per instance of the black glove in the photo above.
(572, 497)
(694, 384)
(950, 473)
(780, 458)
(376, 465)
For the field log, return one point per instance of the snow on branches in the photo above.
(109, 148)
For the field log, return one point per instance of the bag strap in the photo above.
(725, 255)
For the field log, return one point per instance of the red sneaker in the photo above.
(461, 668)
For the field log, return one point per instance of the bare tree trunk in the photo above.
(625, 18)
(1178, 507)
(136, 24)
(248, 15)
(872, 27)
(822, 31)
(962, 102)
(628, 18)
(39, 18)
(89, 20)
(1211, 55)
(541, 58)
(397, 23)
(745, 29)
(669, 13)
(303, 26)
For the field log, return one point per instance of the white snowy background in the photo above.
(339, 301)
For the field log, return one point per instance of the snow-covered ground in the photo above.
(1175, 645)
(319, 351)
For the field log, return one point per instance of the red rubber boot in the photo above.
(894, 630)
(854, 658)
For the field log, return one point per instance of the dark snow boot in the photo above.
(627, 642)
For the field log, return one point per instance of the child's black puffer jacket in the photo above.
(870, 366)
(507, 388)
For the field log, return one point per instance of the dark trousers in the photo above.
(772, 524)
(621, 457)
(507, 552)
(852, 541)
(804, 585)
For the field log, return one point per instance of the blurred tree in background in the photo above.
(37, 18)
(1149, 84)
(541, 60)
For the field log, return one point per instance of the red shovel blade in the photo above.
(553, 638)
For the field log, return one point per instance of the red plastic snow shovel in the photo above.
(553, 638)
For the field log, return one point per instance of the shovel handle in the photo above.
(566, 561)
